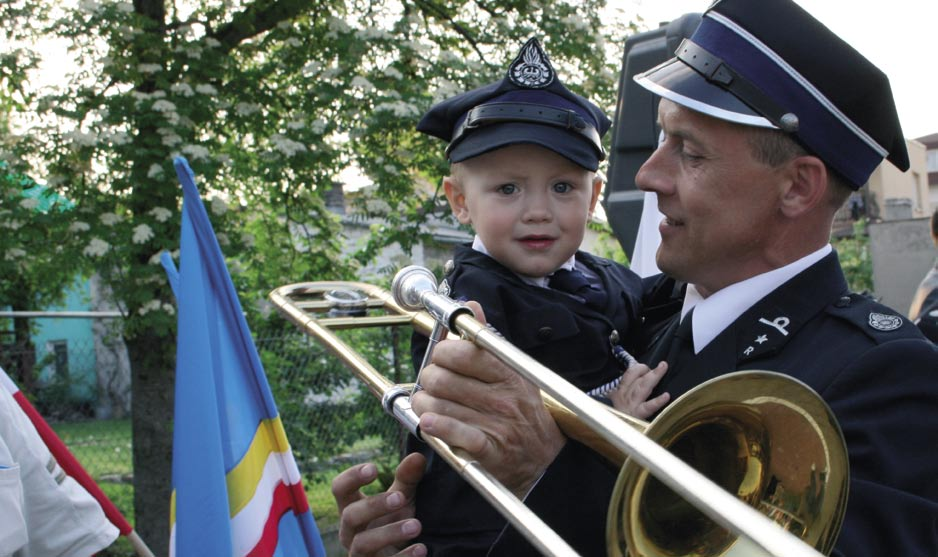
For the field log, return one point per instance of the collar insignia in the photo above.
(882, 322)
(531, 69)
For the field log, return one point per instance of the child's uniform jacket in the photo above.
(553, 327)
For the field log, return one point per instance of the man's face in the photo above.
(528, 205)
(721, 205)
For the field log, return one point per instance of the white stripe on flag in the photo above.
(247, 526)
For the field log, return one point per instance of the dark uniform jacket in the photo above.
(873, 368)
(556, 329)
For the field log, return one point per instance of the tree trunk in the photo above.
(153, 370)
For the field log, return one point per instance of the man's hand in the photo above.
(475, 403)
(379, 525)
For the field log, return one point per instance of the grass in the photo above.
(104, 449)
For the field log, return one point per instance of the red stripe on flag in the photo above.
(300, 503)
(282, 504)
(70, 464)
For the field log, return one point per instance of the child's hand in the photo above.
(637, 383)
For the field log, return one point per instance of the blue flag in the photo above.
(236, 487)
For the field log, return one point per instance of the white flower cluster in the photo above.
(161, 214)
(337, 25)
(576, 23)
(361, 82)
(110, 219)
(12, 224)
(142, 234)
(206, 89)
(219, 206)
(286, 145)
(82, 139)
(183, 89)
(156, 305)
(29, 203)
(246, 109)
(96, 248)
(90, 6)
(155, 171)
(169, 137)
(371, 33)
(79, 226)
(196, 152)
(318, 126)
(393, 73)
(125, 7)
(400, 109)
(14, 253)
(117, 137)
(149, 68)
(163, 105)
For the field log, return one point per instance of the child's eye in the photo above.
(563, 187)
(507, 189)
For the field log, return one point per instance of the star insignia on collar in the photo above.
(761, 338)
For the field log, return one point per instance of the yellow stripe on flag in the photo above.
(243, 479)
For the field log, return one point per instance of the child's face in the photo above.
(528, 204)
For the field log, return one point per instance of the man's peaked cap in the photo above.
(771, 64)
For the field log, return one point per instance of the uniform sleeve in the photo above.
(61, 517)
(886, 402)
(572, 497)
(13, 525)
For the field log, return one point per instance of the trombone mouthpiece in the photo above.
(409, 283)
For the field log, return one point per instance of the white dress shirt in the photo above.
(712, 315)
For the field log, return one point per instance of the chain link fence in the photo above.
(331, 420)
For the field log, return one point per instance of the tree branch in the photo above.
(260, 16)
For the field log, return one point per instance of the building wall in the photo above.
(903, 194)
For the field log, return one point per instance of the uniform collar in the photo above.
(712, 315)
(569, 264)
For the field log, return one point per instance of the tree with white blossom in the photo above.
(270, 100)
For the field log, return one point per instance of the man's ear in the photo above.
(807, 185)
(457, 199)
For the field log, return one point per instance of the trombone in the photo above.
(780, 456)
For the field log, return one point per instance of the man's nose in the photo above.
(653, 175)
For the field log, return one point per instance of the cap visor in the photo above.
(677, 82)
(558, 140)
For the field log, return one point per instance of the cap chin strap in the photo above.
(716, 71)
(499, 113)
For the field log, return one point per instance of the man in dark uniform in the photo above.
(769, 122)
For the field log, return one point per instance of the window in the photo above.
(931, 158)
(59, 349)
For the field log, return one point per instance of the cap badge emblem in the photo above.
(531, 69)
(882, 322)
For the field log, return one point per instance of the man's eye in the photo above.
(691, 157)
(507, 189)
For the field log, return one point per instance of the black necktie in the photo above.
(574, 282)
(678, 343)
